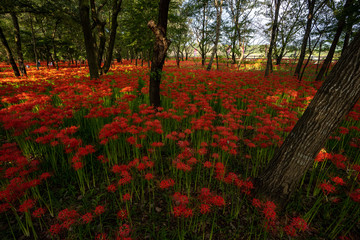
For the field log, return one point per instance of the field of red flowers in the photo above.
(89, 159)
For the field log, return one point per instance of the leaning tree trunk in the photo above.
(90, 45)
(9, 53)
(114, 25)
(305, 38)
(329, 57)
(161, 45)
(218, 6)
(333, 101)
(18, 43)
(272, 42)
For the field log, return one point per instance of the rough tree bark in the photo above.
(329, 57)
(18, 43)
(218, 6)
(114, 25)
(90, 45)
(272, 42)
(333, 101)
(161, 46)
(9, 53)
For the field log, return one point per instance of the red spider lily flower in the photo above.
(126, 197)
(188, 212)
(68, 223)
(122, 214)
(78, 165)
(119, 168)
(338, 181)
(204, 208)
(83, 151)
(87, 218)
(256, 203)
(67, 214)
(355, 195)
(327, 188)
(299, 223)
(218, 201)
(124, 230)
(149, 176)
(102, 159)
(4, 207)
(207, 164)
(180, 199)
(38, 213)
(45, 176)
(167, 183)
(55, 229)
(290, 231)
(111, 188)
(26, 205)
(101, 236)
(99, 210)
(269, 211)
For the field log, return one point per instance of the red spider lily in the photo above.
(355, 195)
(101, 236)
(67, 214)
(167, 183)
(218, 201)
(38, 213)
(87, 218)
(99, 210)
(126, 197)
(149, 176)
(327, 188)
(204, 208)
(180, 199)
(111, 188)
(55, 229)
(26, 205)
(338, 181)
(122, 214)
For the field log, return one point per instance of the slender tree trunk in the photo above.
(18, 43)
(33, 41)
(161, 45)
(310, 17)
(347, 38)
(329, 57)
(218, 5)
(90, 45)
(318, 63)
(333, 101)
(9, 53)
(56, 64)
(272, 42)
(114, 25)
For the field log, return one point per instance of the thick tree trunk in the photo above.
(333, 101)
(218, 5)
(114, 25)
(9, 53)
(161, 45)
(326, 64)
(90, 45)
(347, 37)
(18, 43)
(272, 42)
(306, 36)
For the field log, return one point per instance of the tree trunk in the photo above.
(56, 64)
(329, 57)
(333, 101)
(306, 36)
(90, 45)
(272, 42)
(347, 37)
(218, 6)
(34, 42)
(18, 43)
(161, 45)
(114, 25)
(9, 53)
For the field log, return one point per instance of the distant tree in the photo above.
(273, 38)
(218, 5)
(19, 52)
(332, 102)
(339, 29)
